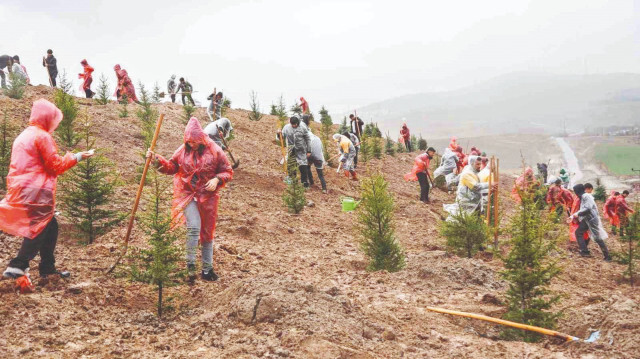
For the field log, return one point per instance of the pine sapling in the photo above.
(16, 87)
(466, 233)
(296, 108)
(529, 269)
(375, 218)
(400, 148)
(294, 197)
(600, 192)
(226, 104)
(414, 143)
(6, 140)
(255, 114)
(389, 147)
(343, 126)
(157, 265)
(187, 112)
(103, 91)
(630, 253)
(422, 143)
(66, 130)
(155, 98)
(365, 152)
(124, 111)
(88, 190)
(65, 84)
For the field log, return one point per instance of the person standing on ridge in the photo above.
(19, 70)
(124, 88)
(356, 125)
(217, 102)
(187, 90)
(171, 88)
(5, 61)
(305, 106)
(87, 78)
(51, 64)
(406, 136)
(200, 169)
(28, 208)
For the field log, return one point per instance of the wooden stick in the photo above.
(489, 197)
(213, 99)
(284, 153)
(139, 194)
(496, 203)
(531, 328)
(355, 114)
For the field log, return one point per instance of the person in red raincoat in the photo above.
(453, 144)
(610, 211)
(87, 78)
(305, 106)
(525, 183)
(475, 151)
(623, 210)
(406, 136)
(125, 86)
(462, 159)
(200, 168)
(566, 198)
(28, 208)
(420, 172)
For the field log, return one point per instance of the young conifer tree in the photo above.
(147, 116)
(103, 91)
(422, 143)
(376, 147)
(400, 148)
(343, 126)
(16, 87)
(630, 253)
(375, 218)
(294, 197)
(466, 234)
(255, 114)
(327, 124)
(600, 192)
(6, 141)
(529, 269)
(389, 146)
(296, 108)
(155, 98)
(158, 265)
(414, 143)
(66, 102)
(88, 190)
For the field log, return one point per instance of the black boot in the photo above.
(209, 275)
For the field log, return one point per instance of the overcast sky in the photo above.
(342, 54)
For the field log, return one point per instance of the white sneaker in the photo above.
(12, 272)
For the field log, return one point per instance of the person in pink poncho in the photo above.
(125, 86)
(420, 172)
(28, 208)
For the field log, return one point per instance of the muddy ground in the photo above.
(294, 285)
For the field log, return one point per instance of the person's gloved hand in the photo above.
(84, 155)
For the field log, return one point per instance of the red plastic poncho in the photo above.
(125, 86)
(33, 174)
(573, 226)
(421, 164)
(523, 183)
(462, 159)
(610, 211)
(552, 195)
(566, 198)
(192, 169)
(86, 84)
(304, 104)
(623, 209)
(404, 132)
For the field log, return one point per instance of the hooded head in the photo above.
(193, 133)
(404, 125)
(474, 162)
(302, 99)
(337, 137)
(578, 190)
(45, 115)
(459, 149)
(84, 62)
(173, 77)
(528, 172)
(117, 67)
(563, 171)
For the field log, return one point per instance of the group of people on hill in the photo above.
(199, 166)
(13, 65)
(579, 206)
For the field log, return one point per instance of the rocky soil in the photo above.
(293, 285)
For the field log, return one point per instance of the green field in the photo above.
(619, 159)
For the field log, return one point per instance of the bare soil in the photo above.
(294, 285)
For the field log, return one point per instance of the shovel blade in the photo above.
(593, 337)
(235, 164)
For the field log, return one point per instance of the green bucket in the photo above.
(348, 204)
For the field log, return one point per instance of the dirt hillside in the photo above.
(293, 286)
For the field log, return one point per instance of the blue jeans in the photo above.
(192, 215)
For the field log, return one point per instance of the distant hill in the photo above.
(522, 101)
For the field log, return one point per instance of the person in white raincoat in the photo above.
(589, 219)
(469, 194)
(448, 165)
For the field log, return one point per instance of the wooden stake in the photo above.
(138, 195)
(284, 153)
(488, 209)
(496, 205)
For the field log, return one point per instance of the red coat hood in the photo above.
(45, 115)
